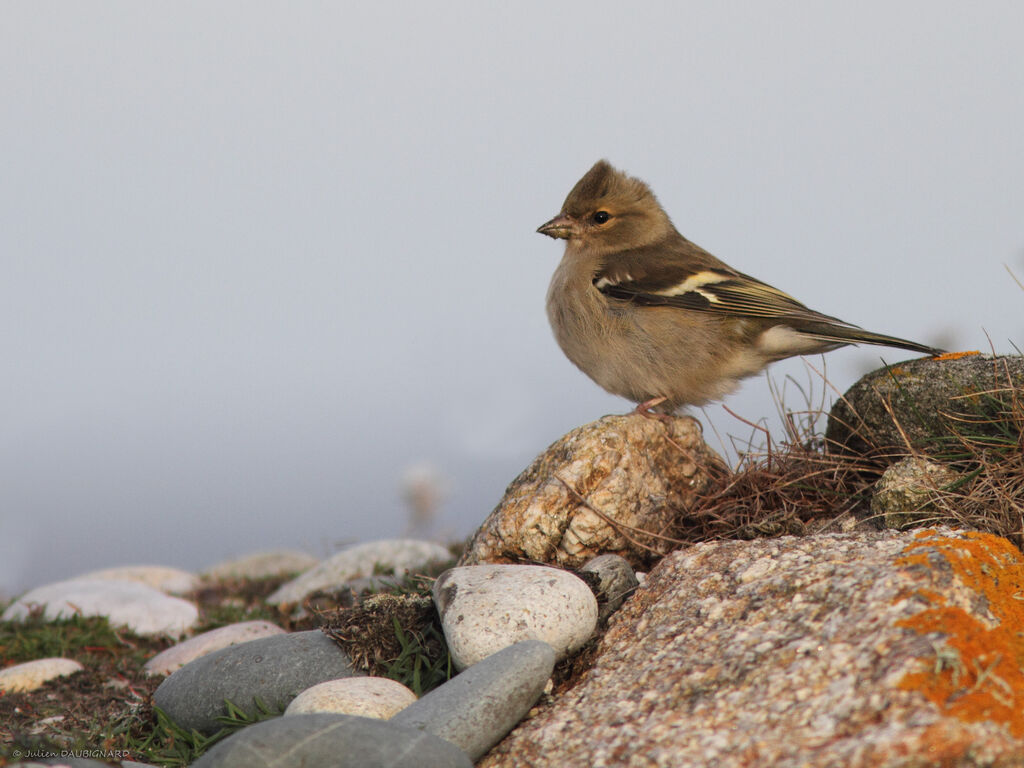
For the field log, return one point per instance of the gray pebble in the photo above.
(274, 669)
(338, 741)
(616, 582)
(476, 708)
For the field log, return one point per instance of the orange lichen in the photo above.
(956, 355)
(977, 672)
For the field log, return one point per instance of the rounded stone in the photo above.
(270, 671)
(173, 581)
(909, 491)
(262, 565)
(397, 556)
(478, 707)
(616, 581)
(485, 608)
(339, 741)
(179, 655)
(376, 697)
(142, 609)
(32, 674)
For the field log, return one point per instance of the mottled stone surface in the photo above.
(910, 401)
(32, 674)
(485, 608)
(179, 655)
(376, 697)
(615, 581)
(856, 650)
(906, 492)
(598, 490)
(397, 556)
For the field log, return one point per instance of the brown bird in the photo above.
(652, 317)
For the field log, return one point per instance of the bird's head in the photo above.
(608, 211)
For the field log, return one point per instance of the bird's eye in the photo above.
(601, 217)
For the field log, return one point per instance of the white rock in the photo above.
(32, 674)
(397, 556)
(261, 565)
(142, 609)
(485, 608)
(173, 581)
(376, 697)
(181, 654)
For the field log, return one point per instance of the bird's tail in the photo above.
(843, 334)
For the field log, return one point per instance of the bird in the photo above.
(655, 318)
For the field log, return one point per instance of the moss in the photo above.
(976, 673)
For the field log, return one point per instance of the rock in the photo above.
(173, 581)
(922, 394)
(485, 608)
(273, 670)
(32, 674)
(615, 582)
(179, 655)
(906, 493)
(475, 709)
(262, 565)
(338, 741)
(398, 556)
(862, 650)
(596, 491)
(376, 697)
(142, 609)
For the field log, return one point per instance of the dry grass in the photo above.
(800, 485)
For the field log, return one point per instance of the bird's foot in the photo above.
(644, 409)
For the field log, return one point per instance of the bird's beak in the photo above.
(559, 227)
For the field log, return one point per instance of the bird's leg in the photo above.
(644, 409)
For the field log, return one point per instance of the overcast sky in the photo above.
(259, 259)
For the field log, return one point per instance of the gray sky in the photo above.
(260, 258)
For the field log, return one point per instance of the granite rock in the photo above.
(485, 608)
(609, 487)
(865, 650)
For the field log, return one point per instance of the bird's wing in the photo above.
(684, 275)
(680, 274)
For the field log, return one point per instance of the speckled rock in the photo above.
(376, 697)
(262, 565)
(615, 582)
(477, 707)
(334, 741)
(906, 493)
(919, 394)
(862, 650)
(32, 674)
(272, 670)
(142, 609)
(485, 608)
(388, 556)
(173, 581)
(596, 491)
(179, 655)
